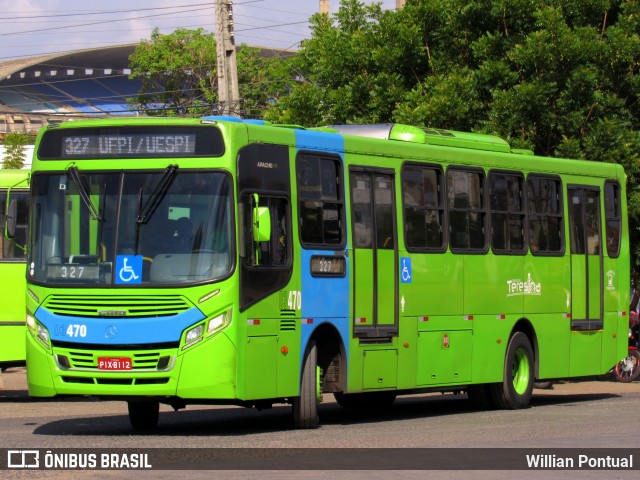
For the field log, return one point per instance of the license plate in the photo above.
(107, 363)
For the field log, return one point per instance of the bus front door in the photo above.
(586, 278)
(375, 262)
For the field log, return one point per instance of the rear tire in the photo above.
(305, 407)
(516, 389)
(628, 369)
(144, 415)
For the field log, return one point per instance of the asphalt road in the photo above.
(598, 414)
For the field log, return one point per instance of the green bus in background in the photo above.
(14, 202)
(228, 261)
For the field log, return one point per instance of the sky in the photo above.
(36, 27)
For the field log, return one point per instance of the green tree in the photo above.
(14, 144)
(178, 75)
(560, 78)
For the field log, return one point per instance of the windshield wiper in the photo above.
(84, 195)
(157, 195)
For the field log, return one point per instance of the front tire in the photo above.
(516, 389)
(143, 415)
(305, 407)
(628, 369)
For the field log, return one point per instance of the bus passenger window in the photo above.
(507, 212)
(321, 201)
(546, 222)
(467, 210)
(423, 208)
(612, 217)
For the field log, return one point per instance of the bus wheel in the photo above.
(517, 387)
(305, 407)
(372, 400)
(143, 415)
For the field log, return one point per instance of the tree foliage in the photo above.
(558, 77)
(178, 76)
(15, 150)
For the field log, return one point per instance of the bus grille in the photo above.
(84, 360)
(116, 306)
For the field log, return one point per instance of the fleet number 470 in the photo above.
(75, 330)
(295, 300)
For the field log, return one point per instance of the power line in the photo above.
(104, 12)
(39, 30)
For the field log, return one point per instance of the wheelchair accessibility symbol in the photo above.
(129, 269)
(405, 270)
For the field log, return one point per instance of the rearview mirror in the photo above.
(12, 215)
(261, 224)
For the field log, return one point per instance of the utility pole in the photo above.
(228, 93)
(324, 6)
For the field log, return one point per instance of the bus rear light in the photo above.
(468, 317)
(307, 321)
(361, 320)
(501, 317)
(253, 321)
(423, 319)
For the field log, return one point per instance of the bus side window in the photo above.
(613, 218)
(546, 221)
(13, 249)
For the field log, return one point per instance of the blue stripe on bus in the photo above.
(127, 330)
(324, 299)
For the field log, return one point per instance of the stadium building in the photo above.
(37, 91)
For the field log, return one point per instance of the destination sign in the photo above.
(134, 145)
(148, 141)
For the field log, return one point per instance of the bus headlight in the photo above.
(43, 335)
(39, 331)
(219, 322)
(194, 335)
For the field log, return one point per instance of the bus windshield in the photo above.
(131, 228)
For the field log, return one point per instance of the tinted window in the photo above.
(321, 202)
(613, 217)
(423, 207)
(507, 212)
(467, 210)
(546, 224)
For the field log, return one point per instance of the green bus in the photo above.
(227, 261)
(14, 202)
